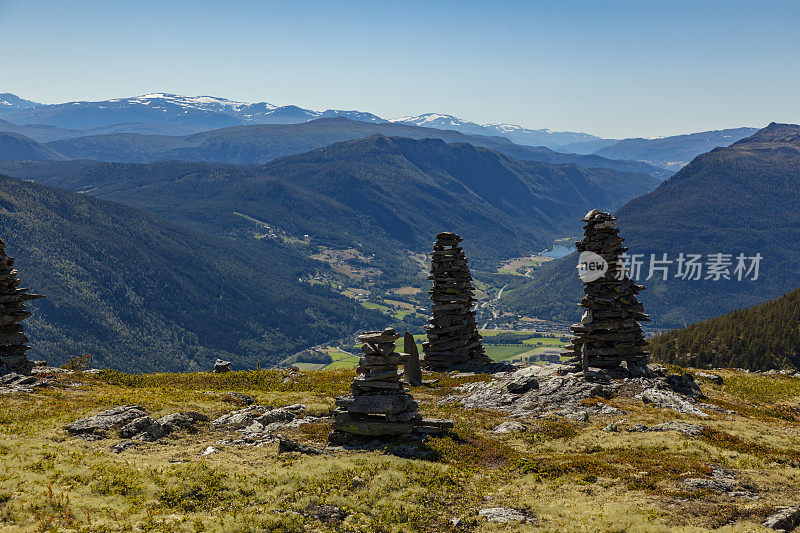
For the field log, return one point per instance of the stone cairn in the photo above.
(379, 406)
(13, 342)
(453, 337)
(609, 333)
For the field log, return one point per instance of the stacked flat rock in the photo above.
(453, 337)
(13, 342)
(379, 405)
(609, 333)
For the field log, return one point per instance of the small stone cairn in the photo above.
(453, 337)
(379, 406)
(609, 333)
(13, 342)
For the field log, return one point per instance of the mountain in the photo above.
(11, 102)
(17, 147)
(266, 142)
(740, 199)
(380, 195)
(47, 132)
(198, 113)
(513, 132)
(673, 152)
(141, 294)
(763, 337)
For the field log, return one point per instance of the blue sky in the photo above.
(615, 69)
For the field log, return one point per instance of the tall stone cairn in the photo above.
(13, 342)
(453, 337)
(379, 407)
(609, 333)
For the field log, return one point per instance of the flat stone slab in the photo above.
(111, 418)
(503, 514)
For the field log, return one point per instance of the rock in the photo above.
(511, 426)
(687, 429)
(239, 419)
(124, 445)
(142, 428)
(239, 399)
(722, 480)
(146, 429)
(668, 399)
(18, 383)
(286, 445)
(684, 384)
(412, 372)
(637, 428)
(579, 415)
(280, 414)
(784, 519)
(614, 426)
(210, 451)
(503, 514)
(657, 370)
(221, 366)
(176, 421)
(116, 417)
(457, 523)
(522, 382)
(713, 378)
(327, 514)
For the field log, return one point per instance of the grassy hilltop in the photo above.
(565, 475)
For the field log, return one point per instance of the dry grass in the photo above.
(571, 475)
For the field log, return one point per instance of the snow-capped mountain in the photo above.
(513, 132)
(177, 114)
(9, 102)
(195, 113)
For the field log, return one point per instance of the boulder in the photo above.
(239, 419)
(713, 378)
(221, 366)
(784, 519)
(669, 399)
(116, 417)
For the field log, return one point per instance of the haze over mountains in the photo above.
(739, 199)
(170, 114)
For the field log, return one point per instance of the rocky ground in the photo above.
(533, 449)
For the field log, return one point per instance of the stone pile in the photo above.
(13, 342)
(453, 337)
(609, 333)
(379, 406)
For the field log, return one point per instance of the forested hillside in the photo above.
(382, 195)
(16, 147)
(140, 294)
(737, 200)
(763, 337)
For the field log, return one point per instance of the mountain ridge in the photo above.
(689, 213)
